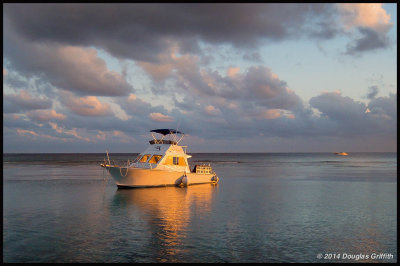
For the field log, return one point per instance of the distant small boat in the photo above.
(342, 153)
(163, 163)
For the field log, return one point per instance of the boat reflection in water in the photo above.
(168, 212)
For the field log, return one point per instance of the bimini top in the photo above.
(166, 131)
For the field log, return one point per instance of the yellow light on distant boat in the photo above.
(342, 153)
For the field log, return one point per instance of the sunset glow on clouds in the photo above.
(45, 115)
(301, 73)
(158, 117)
(364, 15)
(85, 106)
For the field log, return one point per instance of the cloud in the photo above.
(386, 107)
(72, 132)
(159, 117)
(364, 15)
(45, 115)
(256, 87)
(71, 68)
(370, 21)
(347, 117)
(232, 71)
(177, 45)
(271, 114)
(144, 31)
(252, 56)
(134, 106)
(85, 106)
(369, 40)
(23, 132)
(24, 101)
(337, 107)
(211, 110)
(123, 137)
(373, 91)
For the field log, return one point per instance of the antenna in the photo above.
(108, 158)
(177, 129)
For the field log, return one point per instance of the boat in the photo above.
(163, 163)
(342, 153)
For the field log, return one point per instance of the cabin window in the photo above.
(155, 159)
(174, 160)
(179, 161)
(145, 158)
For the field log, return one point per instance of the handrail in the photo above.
(127, 169)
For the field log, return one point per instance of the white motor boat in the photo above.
(163, 163)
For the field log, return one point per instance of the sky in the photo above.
(234, 77)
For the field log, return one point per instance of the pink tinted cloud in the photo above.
(85, 106)
(45, 115)
(115, 135)
(101, 135)
(23, 132)
(72, 132)
(232, 71)
(211, 110)
(159, 117)
(271, 114)
(371, 15)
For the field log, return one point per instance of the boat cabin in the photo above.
(164, 154)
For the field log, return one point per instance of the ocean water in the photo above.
(309, 207)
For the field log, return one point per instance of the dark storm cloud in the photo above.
(142, 31)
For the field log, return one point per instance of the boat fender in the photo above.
(185, 180)
(215, 178)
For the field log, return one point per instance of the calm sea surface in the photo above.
(266, 208)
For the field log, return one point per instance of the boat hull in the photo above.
(138, 177)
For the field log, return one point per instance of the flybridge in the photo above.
(165, 132)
